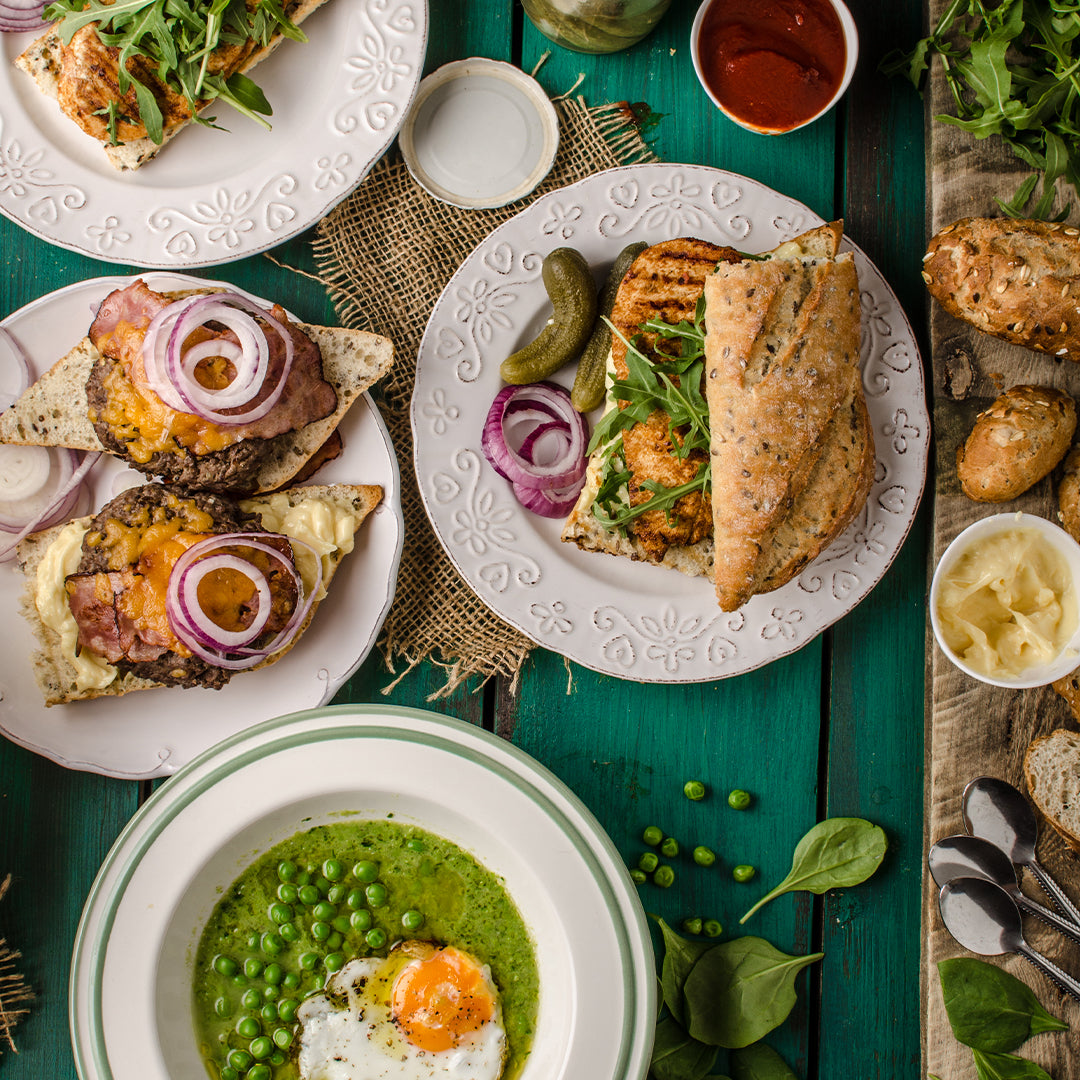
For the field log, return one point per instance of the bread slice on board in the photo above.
(55, 673)
(1052, 772)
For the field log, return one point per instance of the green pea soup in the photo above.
(330, 894)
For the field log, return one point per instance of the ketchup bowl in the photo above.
(774, 69)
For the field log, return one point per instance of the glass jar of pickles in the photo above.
(595, 26)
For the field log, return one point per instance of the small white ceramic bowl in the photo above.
(851, 42)
(1068, 659)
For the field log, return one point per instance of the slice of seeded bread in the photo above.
(55, 674)
(1052, 771)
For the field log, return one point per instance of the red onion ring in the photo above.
(233, 650)
(170, 367)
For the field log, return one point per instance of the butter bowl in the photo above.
(1005, 601)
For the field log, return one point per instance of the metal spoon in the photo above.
(998, 812)
(984, 919)
(972, 856)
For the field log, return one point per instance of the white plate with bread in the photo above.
(143, 735)
(625, 616)
(213, 196)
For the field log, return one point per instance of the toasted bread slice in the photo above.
(54, 410)
(42, 60)
(1052, 772)
(53, 664)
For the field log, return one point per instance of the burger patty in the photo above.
(233, 469)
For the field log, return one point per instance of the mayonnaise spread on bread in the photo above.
(1008, 603)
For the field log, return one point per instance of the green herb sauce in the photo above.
(285, 925)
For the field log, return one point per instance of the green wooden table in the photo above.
(835, 729)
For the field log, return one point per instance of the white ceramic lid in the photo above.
(481, 133)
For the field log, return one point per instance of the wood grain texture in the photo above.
(973, 729)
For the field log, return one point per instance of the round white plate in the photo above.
(154, 732)
(481, 133)
(619, 617)
(213, 196)
(130, 997)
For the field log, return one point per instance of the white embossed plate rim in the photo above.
(211, 197)
(620, 618)
(155, 732)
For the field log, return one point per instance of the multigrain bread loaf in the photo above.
(1016, 280)
(1052, 772)
(1014, 443)
(1068, 493)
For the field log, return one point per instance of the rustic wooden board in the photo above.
(973, 729)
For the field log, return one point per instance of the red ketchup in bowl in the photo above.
(773, 66)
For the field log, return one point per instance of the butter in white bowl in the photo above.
(1005, 601)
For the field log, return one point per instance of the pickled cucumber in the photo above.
(572, 292)
(588, 389)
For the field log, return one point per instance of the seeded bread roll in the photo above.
(1016, 280)
(1052, 772)
(1015, 443)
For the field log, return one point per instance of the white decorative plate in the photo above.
(212, 196)
(154, 732)
(130, 998)
(619, 617)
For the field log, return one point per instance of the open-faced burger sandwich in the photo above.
(204, 389)
(171, 587)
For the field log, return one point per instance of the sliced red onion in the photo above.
(15, 374)
(233, 650)
(59, 507)
(553, 503)
(170, 367)
(567, 468)
(18, 17)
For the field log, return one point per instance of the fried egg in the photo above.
(422, 1012)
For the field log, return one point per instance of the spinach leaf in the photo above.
(759, 1062)
(680, 955)
(989, 1009)
(1007, 1067)
(835, 853)
(740, 990)
(676, 1056)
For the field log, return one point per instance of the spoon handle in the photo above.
(1051, 918)
(1060, 978)
(1055, 892)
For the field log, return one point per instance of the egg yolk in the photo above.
(438, 1001)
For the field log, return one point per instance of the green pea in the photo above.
(694, 790)
(287, 870)
(712, 928)
(412, 920)
(273, 974)
(277, 1058)
(280, 914)
(320, 931)
(282, 1038)
(692, 926)
(229, 1073)
(251, 999)
(253, 941)
(261, 1047)
(743, 872)
(291, 980)
(289, 933)
(239, 1059)
(223, 1007)
(303, 878)
(638, 877)
(271, 944)
(365, 870)
(334, 941)
(355, 899)
(334, 962)
(271, 993)
(288, 893)
(308, 961)
(415, 844)
(225, 965)
(286, 1010)
(239, 980)
(334, 869)
(324, 911)
(375, 938)
(337, 892)
(323, 884)
(648, 862)
(269, 1013)
(738, 799)
(309, 895)
(652, 835)
(341, 923)
(360, 920)
(704, 856)
(253, 967)
(670, 847)
(376, 894)
(664, 876)
(248, 1027)
(260, 1072)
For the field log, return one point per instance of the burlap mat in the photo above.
(15, 995)
(385, 254)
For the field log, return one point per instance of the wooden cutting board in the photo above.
(973, 729)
